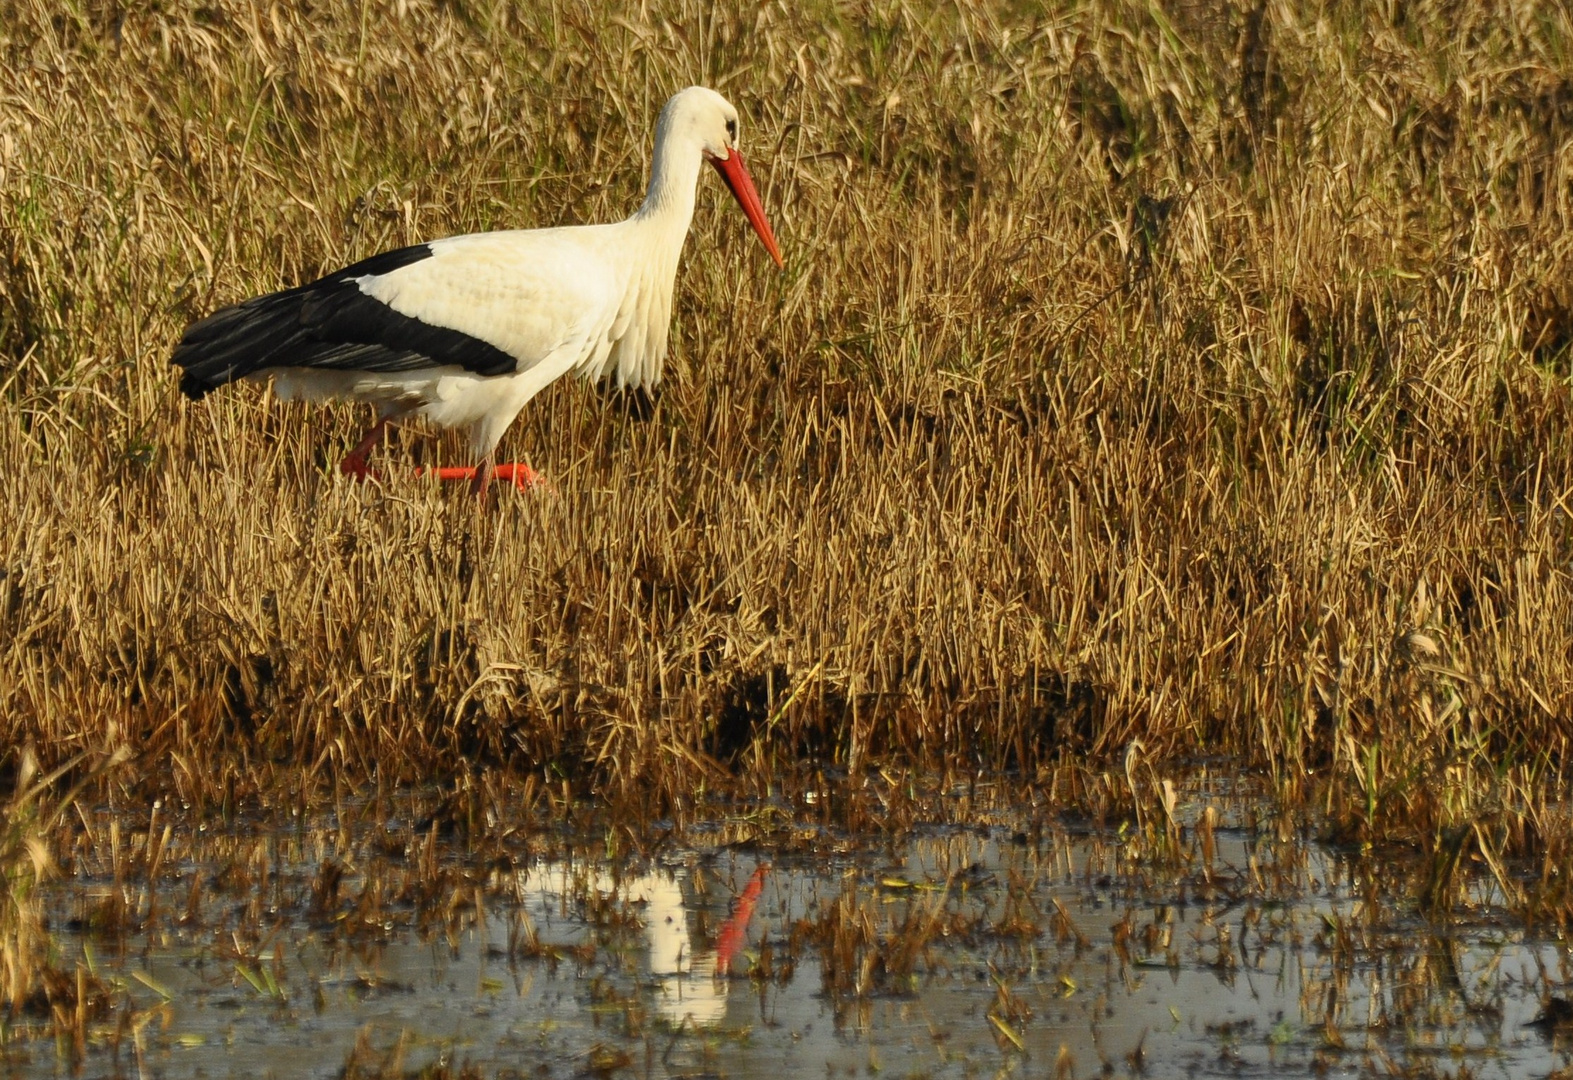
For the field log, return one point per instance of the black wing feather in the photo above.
(328, 323)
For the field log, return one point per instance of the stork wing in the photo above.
(490, 303)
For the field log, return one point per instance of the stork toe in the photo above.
(522, 476)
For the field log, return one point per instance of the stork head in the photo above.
(704, 118)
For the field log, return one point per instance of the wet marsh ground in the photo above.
(377, 942)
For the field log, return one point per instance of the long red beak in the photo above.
(735, 173)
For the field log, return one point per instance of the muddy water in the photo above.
(996, 951)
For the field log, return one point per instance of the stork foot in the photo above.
(357, 468)
(521, 476)
(354, 463)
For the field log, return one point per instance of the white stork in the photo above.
(465, 330)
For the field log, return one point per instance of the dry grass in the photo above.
(1192, 374)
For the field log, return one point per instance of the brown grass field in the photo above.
(1146, 381)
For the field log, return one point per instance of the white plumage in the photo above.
(465, 331)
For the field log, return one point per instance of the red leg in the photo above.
(354, 463)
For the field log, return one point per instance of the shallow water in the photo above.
(954, 952)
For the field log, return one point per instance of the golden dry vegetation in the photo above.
(1145, 381)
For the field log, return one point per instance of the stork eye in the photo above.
(731, 130)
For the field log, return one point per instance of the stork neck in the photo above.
(674, 176)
